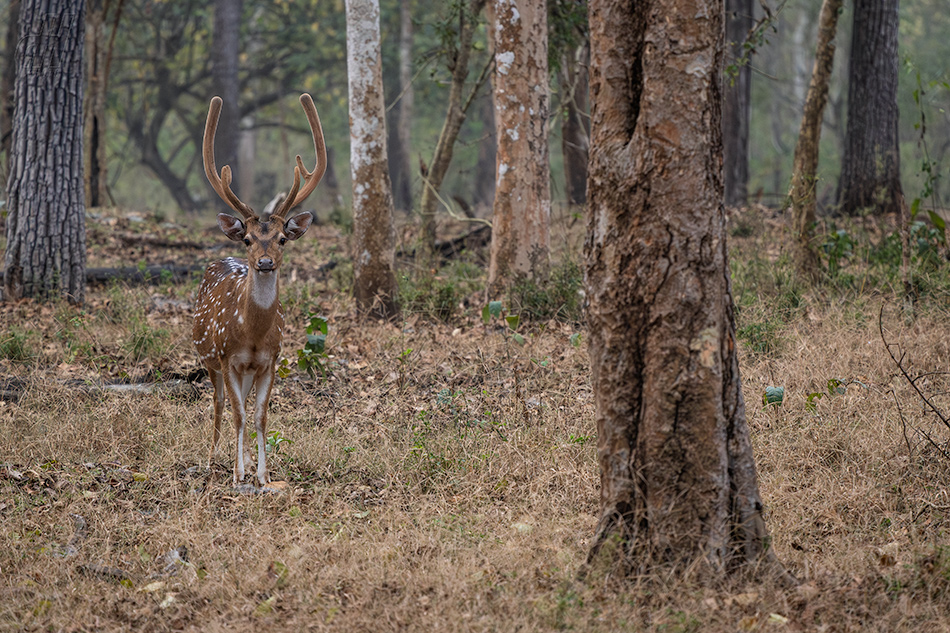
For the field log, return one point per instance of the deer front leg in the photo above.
(238, 386)
(264, 383)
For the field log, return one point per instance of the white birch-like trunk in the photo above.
(374, 281)
(522, 208)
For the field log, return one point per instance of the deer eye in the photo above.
(247, 241)
(283, 241)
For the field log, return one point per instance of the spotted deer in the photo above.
(238, 317)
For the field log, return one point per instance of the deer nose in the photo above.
(265, 264)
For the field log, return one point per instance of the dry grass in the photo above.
(453, 486)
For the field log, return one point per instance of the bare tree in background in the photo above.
(802, 196)
(521, 215)
(569, 49)
(46, 231)
(678, 479)
(871, 169)
(736, 102)
(374, 250)
(102, 21)
(224, 72)
(7, 85)
(484, 194)
(400, 163)
(459, 53)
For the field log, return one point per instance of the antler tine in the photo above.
(221, 184)
(311, 178)
(284, 206)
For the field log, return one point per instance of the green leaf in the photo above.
(836, 386)
(773, 395)
(494, 308)
(318, 324)
(937, 220)
(486, 314)
(576, 339)
(811, 402)
(266, 607)
(513, 321)
(316, 343)
(518, 338)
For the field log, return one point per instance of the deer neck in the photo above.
(259, 303)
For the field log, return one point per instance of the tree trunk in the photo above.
(870, 171)
(94, 126)
(224, 72)
(737, 98)
(484, 194)
(521, 215)
(678, 480)
(400, 160)
(802, 196)
(375, 236)
(46, 233)
(575, 137)
(7, 86)
(454, 117)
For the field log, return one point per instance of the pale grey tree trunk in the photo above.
(374, 249)
(46, 231)
(521, 214)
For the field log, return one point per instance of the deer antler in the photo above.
(221, 184)
(311, 179)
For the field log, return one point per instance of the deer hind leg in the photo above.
(217, 380)
(262, 389)
(238, 386)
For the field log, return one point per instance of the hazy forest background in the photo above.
(160, 82)
(442, 467)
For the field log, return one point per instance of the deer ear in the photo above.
(232, 227)
(297, 225)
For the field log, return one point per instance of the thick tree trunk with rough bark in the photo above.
(736, 102)
(46, 231)
(870, 171)
(521, 215)
(802, 196)
(678, 480)
(224, 74)
(375, 237)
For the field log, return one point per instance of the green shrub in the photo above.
(16, 346)
(558, 297)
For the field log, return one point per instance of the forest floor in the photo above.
(444, 475)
